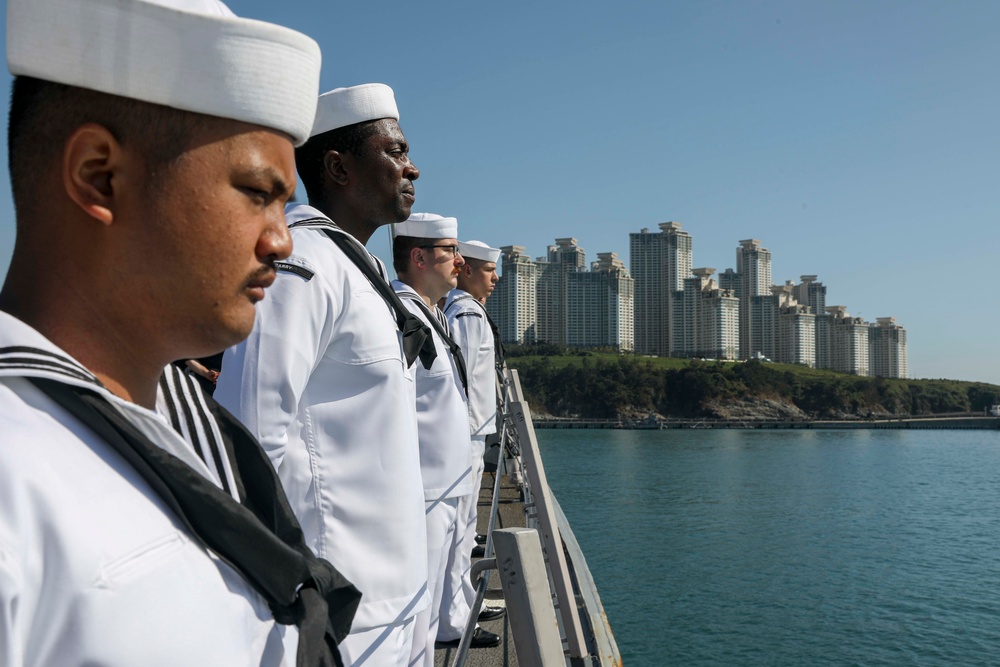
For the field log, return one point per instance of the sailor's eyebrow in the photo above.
(278, 186)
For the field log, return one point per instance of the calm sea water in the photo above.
(789, 548)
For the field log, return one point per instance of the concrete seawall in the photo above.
(971, 423)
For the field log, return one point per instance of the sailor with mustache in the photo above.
(426, 258)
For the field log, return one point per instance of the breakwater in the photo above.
(940, 423)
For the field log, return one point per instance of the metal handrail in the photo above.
(484, 575)
(547, 524)
(517, 436)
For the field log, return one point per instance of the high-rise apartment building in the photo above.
(550, 295)
(599, 305)
(795, 340)
(556, 300)
(563, 258)
(567, 254)
(824, 357)
(849, 351)
(730, 280)
(811, 293)
(513, 305)
(659, 262)
(666, 308)
(797, 335)
(706, 319)
(753, 264)
(764, 325)
(887, 347)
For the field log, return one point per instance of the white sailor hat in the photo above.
(478, 250)
(193, 55)
(428, 226)
(341, 107)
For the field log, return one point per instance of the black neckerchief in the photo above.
(260, 538)
(417, 341)
(442, 330)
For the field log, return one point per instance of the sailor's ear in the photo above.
(336, 166)
(417, 258)
(92, 161)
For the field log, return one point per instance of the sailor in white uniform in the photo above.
(427, 261)
(323, 381)
(94, 568)
(110, 466)
(466, 313)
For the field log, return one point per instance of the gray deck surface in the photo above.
(510, 514)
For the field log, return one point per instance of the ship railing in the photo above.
(481, 569)
(542, 604)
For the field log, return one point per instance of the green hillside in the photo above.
(565, 382)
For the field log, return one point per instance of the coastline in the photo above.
(931, 422)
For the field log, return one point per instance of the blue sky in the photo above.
(858, 140)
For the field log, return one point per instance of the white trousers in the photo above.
(442, 528)
(382, 646)
(458, 594)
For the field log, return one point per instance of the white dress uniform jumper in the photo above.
(323, 383)
(472, 332)
(123, 530)
(95, 566)
(442, 418)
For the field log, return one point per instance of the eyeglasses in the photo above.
(449, 249)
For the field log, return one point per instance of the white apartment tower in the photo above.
(730, 280)
(849, 351)
(887, 347)
(811, 293)
(599, 305)
(753, 264)
(568, 254)
(707, 319)
(550, 295)
(513, 304)
(823, 355)
(660, 262)
(764, 325)
(796, 328)
(797, 336)
(563, 258)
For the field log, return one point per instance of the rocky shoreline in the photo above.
(769, 413)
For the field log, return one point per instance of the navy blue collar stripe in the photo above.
(314, 222)
(181, 395)
(46, 356)
(31, 364)
(175, 422)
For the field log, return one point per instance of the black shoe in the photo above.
(478, 551)
(491, 613)
(484, 639)
(480, 539)
(480, 639)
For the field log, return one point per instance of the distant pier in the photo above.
(950, 422)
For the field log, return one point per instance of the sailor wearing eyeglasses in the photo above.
(426, 258)
(472, 330)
